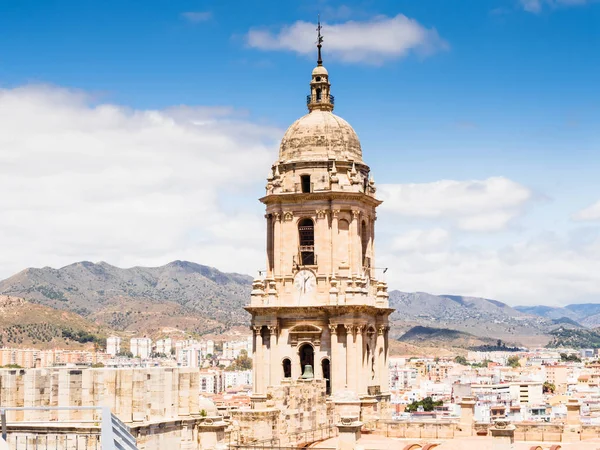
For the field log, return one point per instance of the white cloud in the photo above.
(536, 6)
(375, 41)
(548, 269)
(197, 16)
(474, 205)
(421, 240)
(101, 182)
(591, 213)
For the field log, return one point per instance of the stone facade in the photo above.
(320, 303)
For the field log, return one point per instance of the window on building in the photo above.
(305, 184)
(365, 243)
(307, 357)
(306, 231)
(287, 368)
(318, 94)
(325, 365)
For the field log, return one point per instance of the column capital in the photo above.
(355, 213)
(349, 329)
(333, 328)
(276, 216)
(381, 329)
(256, 329)
(360, 329)
(321, 213)
(272, 329)
(335, 213)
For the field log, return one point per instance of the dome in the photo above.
(319, 70)
(207, 405)
(320, 136)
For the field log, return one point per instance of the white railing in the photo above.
(108, 431)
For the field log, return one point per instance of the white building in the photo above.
(164, 346)
(140, 347)
(232, 349)
(113, 345)
(237, 378)
(402, 378)
(211, 381)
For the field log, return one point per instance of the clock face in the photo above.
(305, 281)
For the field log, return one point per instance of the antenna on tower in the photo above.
(319, 40)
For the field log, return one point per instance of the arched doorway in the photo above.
(325, 366)
(307, 357)
(287, 368)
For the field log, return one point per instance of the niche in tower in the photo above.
(307, 357)
(287, 368)
(306, 231)
(325, 366)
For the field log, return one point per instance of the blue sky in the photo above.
(465, 91)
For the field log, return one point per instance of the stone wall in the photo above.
(160, 405)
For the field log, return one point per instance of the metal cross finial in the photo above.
(319, 40)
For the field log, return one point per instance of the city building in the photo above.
(113, 345)
(164, 346)
(140, 347)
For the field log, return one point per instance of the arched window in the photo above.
(318, 94)
(287, 368)
(325, 366)
(305, 184)
(307, 357)
(306, 231)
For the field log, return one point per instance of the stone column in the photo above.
(322, 250)
(349, 433)
(270, 254)
(503, 435)
(350, 355)
(334, 237)
(273, 357)
(257, 360)
(277, 244)
(380, 360)
(386, 354)
(334, 361)
(355, 266)
(466, 421)
(360, 375)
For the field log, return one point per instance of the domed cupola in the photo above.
(320, 98)
(320, 135)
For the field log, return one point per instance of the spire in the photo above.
(319, 41)
(319, 98)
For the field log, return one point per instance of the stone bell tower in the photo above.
(320, 304)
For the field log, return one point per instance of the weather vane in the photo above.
(319, 40)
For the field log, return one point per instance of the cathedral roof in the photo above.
(320, 136)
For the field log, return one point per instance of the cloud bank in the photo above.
(102, 182)
(536, 6)
(374, 41)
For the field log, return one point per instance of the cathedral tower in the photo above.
(320, 304)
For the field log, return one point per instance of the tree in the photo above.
(461, 360)
(427, 403)
(548, 387)
(513, 361)
(242, 362)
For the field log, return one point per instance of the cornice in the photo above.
(331, 310)
(300, 198)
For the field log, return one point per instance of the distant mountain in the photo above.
(443, 337)
(586, 314)
(185, 296)
(180, 295)
(23, 324)
(472, 315)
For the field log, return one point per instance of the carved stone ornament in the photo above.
(272, 330)
(335, 213)
(288, 216)
(256, 329)
(277, 216)
(380, 329)
(355, 213)
(321, 214)
(349, 329)
(333, 328)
